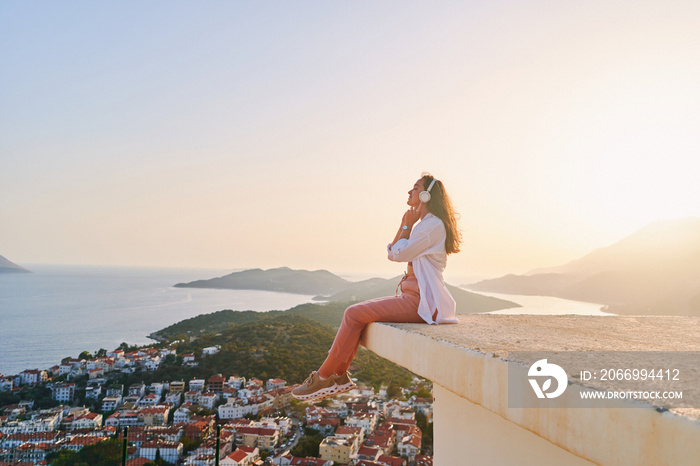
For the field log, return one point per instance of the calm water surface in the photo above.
(547, 305)
(60, 311)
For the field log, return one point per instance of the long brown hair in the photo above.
(440, 205)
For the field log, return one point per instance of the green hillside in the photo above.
(275, 344)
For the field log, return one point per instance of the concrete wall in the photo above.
(467, 434)
(475, 425)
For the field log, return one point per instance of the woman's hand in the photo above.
(410, 217)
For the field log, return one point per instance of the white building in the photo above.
(173, 398)
(110, 403)
(196, 385)
(152, 364)
(115, 390)
(157, 388)
(188, 358)
(243, 456)
(93, 392)
(6, 384)
(236, 408)
(367, 421)
(87, 421)
(208, 400)
(169, 451)
(208, 351)
(149, 400)
(33, 376)
(409, 446)
(137, 389)
(182, 414)
(274, 384)
(236, 382)
(63, 392)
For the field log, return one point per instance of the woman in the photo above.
(427, 234)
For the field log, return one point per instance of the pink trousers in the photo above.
(402, 308)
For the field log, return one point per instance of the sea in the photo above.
(59, 310)
(547, 305)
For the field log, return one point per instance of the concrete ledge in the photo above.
(470, 361)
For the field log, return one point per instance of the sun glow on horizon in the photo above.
(243, 136)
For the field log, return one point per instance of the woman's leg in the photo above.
(392, 309)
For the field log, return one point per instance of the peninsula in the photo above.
(7, 266)
(329, 287)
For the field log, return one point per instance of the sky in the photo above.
(240, 134)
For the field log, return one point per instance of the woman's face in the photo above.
(413, 199)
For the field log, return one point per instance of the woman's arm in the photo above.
(426, 235)
(410, 217)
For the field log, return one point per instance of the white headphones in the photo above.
(424, 196)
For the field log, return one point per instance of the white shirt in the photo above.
(425, 248)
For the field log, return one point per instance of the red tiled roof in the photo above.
(391, 460)
(47, 436)
(256, 431)
(382, 441)
(160, 444)
(84, 440)
(368, 451)
(395, 420)
(138, 461)
(326, 422)
(413, 440)
(154, 410)
(348, 430)
(238, 455)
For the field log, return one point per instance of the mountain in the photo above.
(7, 266)
(655, 270)
(329, 287)
(284, 279)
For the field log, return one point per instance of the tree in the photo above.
(393, 391)
(107, 453)
(189, 444)
(426, 431)
(422, 393)
(309, 445)
(85, 355)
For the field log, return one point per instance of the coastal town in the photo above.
(221, 419)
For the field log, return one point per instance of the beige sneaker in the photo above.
(342, 384)
(315, 387)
